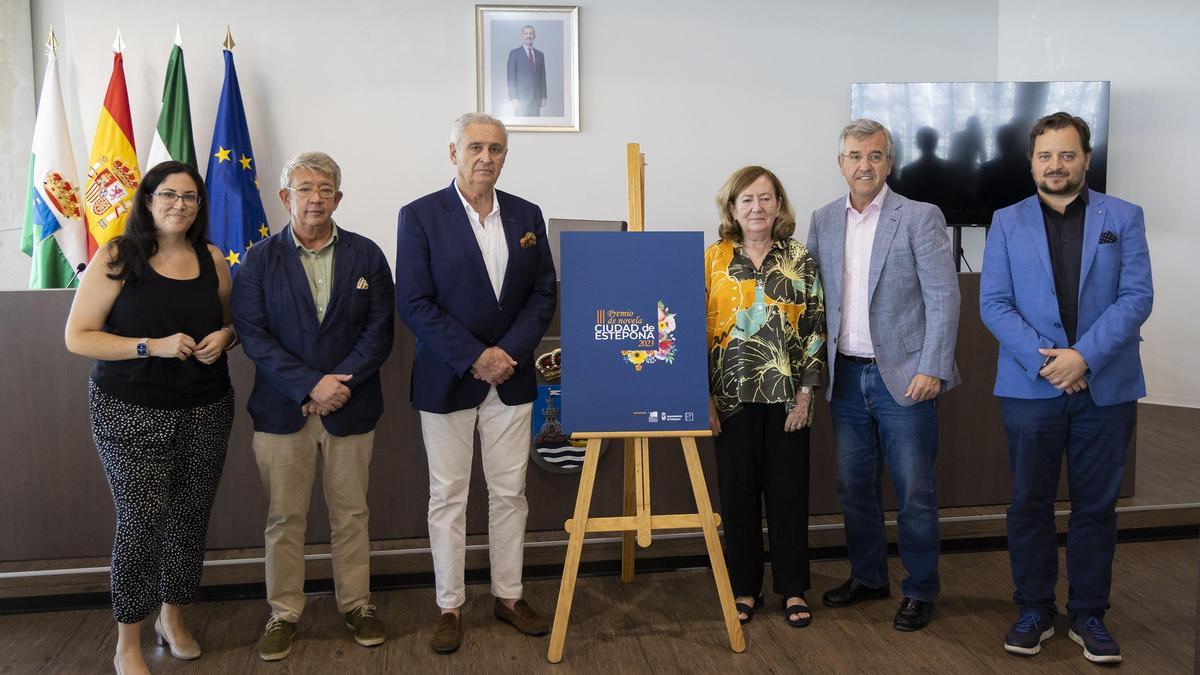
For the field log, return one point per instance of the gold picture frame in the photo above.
(527, 65)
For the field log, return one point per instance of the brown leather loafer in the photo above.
(447, 634)
(522, 617)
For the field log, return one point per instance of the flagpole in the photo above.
(229, 43)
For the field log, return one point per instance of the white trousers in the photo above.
(505, 437)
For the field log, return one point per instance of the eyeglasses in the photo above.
(189, 198)
(856, 157)
(307, 191)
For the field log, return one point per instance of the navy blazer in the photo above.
(1019, 305)
(444, 296)
(276, 320)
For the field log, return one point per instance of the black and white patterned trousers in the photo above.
(163, 467)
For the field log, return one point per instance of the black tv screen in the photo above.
(965, 145)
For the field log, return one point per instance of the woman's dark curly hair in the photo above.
(138, 244)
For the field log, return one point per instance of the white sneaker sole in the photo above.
(1094, 658)
(1030, 651)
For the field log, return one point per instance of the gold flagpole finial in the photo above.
(51, 41)
(119, 44)
(178, 36)
(229, 43)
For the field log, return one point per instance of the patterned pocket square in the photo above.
(362, 284)
(1107, 237)
(529, 240)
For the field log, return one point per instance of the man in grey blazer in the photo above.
(891, 306)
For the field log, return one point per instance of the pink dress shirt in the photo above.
(854, 335)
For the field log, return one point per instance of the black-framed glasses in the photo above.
(326, 191)
(189, 198)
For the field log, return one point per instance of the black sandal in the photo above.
(789, 610)
(748, 610)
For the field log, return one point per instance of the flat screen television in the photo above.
(965, 145)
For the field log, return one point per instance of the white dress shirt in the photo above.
(489, 233)
(854, 336)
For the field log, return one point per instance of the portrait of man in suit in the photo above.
(527, 76)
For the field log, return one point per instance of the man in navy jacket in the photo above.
(1065, 288)
(475, 284)
(313, 307)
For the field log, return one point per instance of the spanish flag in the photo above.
(112, 175)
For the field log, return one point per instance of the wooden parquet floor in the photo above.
(666, 623)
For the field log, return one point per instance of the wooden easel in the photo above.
(637, 523)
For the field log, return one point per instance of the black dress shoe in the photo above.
(913, 614)
(851, 592)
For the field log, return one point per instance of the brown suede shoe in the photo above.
(447, 634)
(522, 617)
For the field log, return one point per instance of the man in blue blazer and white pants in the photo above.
(1065, 288)
(891, 303)
(313, 307)
(476, 285)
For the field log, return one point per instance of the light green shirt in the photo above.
(318, 267)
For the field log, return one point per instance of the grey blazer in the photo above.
(912, 290)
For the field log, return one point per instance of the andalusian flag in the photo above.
(236, 218)
(53, 233)
(173, 135)
(113, 172)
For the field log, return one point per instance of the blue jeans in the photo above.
(870, 430)
(1094, 439)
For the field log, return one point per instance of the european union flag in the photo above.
(235, 210)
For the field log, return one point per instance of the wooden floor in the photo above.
(667, 623)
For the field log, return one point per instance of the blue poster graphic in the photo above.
(633, 332)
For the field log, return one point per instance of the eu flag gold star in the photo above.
(222, 154)
(245, 162)
(232, 258)
(264, 231)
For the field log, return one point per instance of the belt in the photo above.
(863, 360)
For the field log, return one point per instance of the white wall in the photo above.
(16, 136)
(705, 87)
(1150, 54)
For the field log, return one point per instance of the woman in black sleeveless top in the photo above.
(154, 313)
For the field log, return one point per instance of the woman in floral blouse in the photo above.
(766, 341)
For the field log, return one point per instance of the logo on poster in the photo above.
(655, 341)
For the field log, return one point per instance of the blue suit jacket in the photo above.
(526, 86)
(276, 320)
(1018, 303)
(912, 291)
(444, 296)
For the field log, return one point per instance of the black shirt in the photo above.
(1064, 234)
(159, 307)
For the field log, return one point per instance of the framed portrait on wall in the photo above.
(527, 65)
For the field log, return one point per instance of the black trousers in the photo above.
(757, 462)
(163, 467)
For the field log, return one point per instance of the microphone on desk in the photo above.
(78, 270)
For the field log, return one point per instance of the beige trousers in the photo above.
(505, 438)
(288, 464)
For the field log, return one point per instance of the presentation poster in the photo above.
(633, 332)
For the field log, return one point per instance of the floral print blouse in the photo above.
(766, 326)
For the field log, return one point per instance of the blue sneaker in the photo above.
(1098, 645)
(1028, 633)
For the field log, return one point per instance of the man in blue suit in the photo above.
(475, 284)
(313, 307)
(1065, 289)
(891, 304)
(527, 76)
